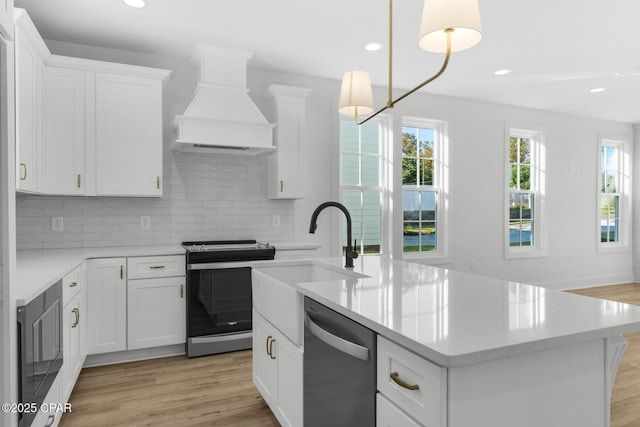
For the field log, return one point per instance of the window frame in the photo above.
(440, 185)
(382, 122)
(536, 187)
(624, 193)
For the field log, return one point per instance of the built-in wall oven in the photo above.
(39, 351)
(219, 301)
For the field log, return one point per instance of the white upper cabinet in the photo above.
(287, 164)
(64, 140)
(29, 73)
(85, 127)
(128, 135)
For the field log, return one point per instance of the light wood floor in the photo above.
(218, 390)
(172, 391)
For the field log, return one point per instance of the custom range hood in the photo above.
(221, 117)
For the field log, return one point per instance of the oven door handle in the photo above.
(219, 265)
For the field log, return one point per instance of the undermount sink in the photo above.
(308, 271)
(280, 303)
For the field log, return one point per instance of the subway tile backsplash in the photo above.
(205, 197)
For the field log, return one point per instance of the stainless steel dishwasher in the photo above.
(339, 369)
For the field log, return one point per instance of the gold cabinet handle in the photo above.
(181, 291)
(271, 348)
(79, 180)
(281, 186)
(396, 379)
(122, 272)
(156, 267)
(76, 312)
(158, 182)
(23, 175)
(73, 284)
(269, 338)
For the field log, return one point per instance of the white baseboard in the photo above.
(133, 355)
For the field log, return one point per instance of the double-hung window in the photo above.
(423, 187)
(525, 194)
(362, 182)
(613, 189)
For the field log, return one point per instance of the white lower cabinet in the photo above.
(107, 305)
(277, 371)
(389, 415)
(411, 386)
(136, 302)
(155, 312)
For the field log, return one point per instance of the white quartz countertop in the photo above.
(36, 270)
(454, 318)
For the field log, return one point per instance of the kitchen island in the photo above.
(500, 353)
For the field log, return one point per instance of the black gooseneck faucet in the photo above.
(351, 253)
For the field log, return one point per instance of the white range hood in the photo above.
(221, 117)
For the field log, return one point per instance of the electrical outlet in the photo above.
(57, 223)
(473, 264)
(276, 221)
(145, 222)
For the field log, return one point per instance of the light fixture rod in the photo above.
(391, 102)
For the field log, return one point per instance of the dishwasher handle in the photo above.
(336, 342)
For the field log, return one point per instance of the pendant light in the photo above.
(446, 26)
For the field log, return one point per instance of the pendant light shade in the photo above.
(461, 16)
(355, 95)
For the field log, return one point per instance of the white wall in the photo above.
(476, 131)
(636, 202)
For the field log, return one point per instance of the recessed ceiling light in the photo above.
(372, 47)
(502, 72)
(598, 89)
(135, 3)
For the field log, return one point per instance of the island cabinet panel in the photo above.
(389, 415)
(128, 135)
(413, 384)
(564, 386)
(277, 372)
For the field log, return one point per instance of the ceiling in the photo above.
(557, 50)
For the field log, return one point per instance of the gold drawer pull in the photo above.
(396, 379)
(73, 284)
(156, 267)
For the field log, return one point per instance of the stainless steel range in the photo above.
(219, 294)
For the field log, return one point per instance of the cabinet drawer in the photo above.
(389, 415)
(414, 384)
(155, 266)
(71, 285)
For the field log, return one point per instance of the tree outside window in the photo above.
(420, 192)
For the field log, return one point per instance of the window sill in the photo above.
(423, 258)
(613, 249)
(521, 253)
